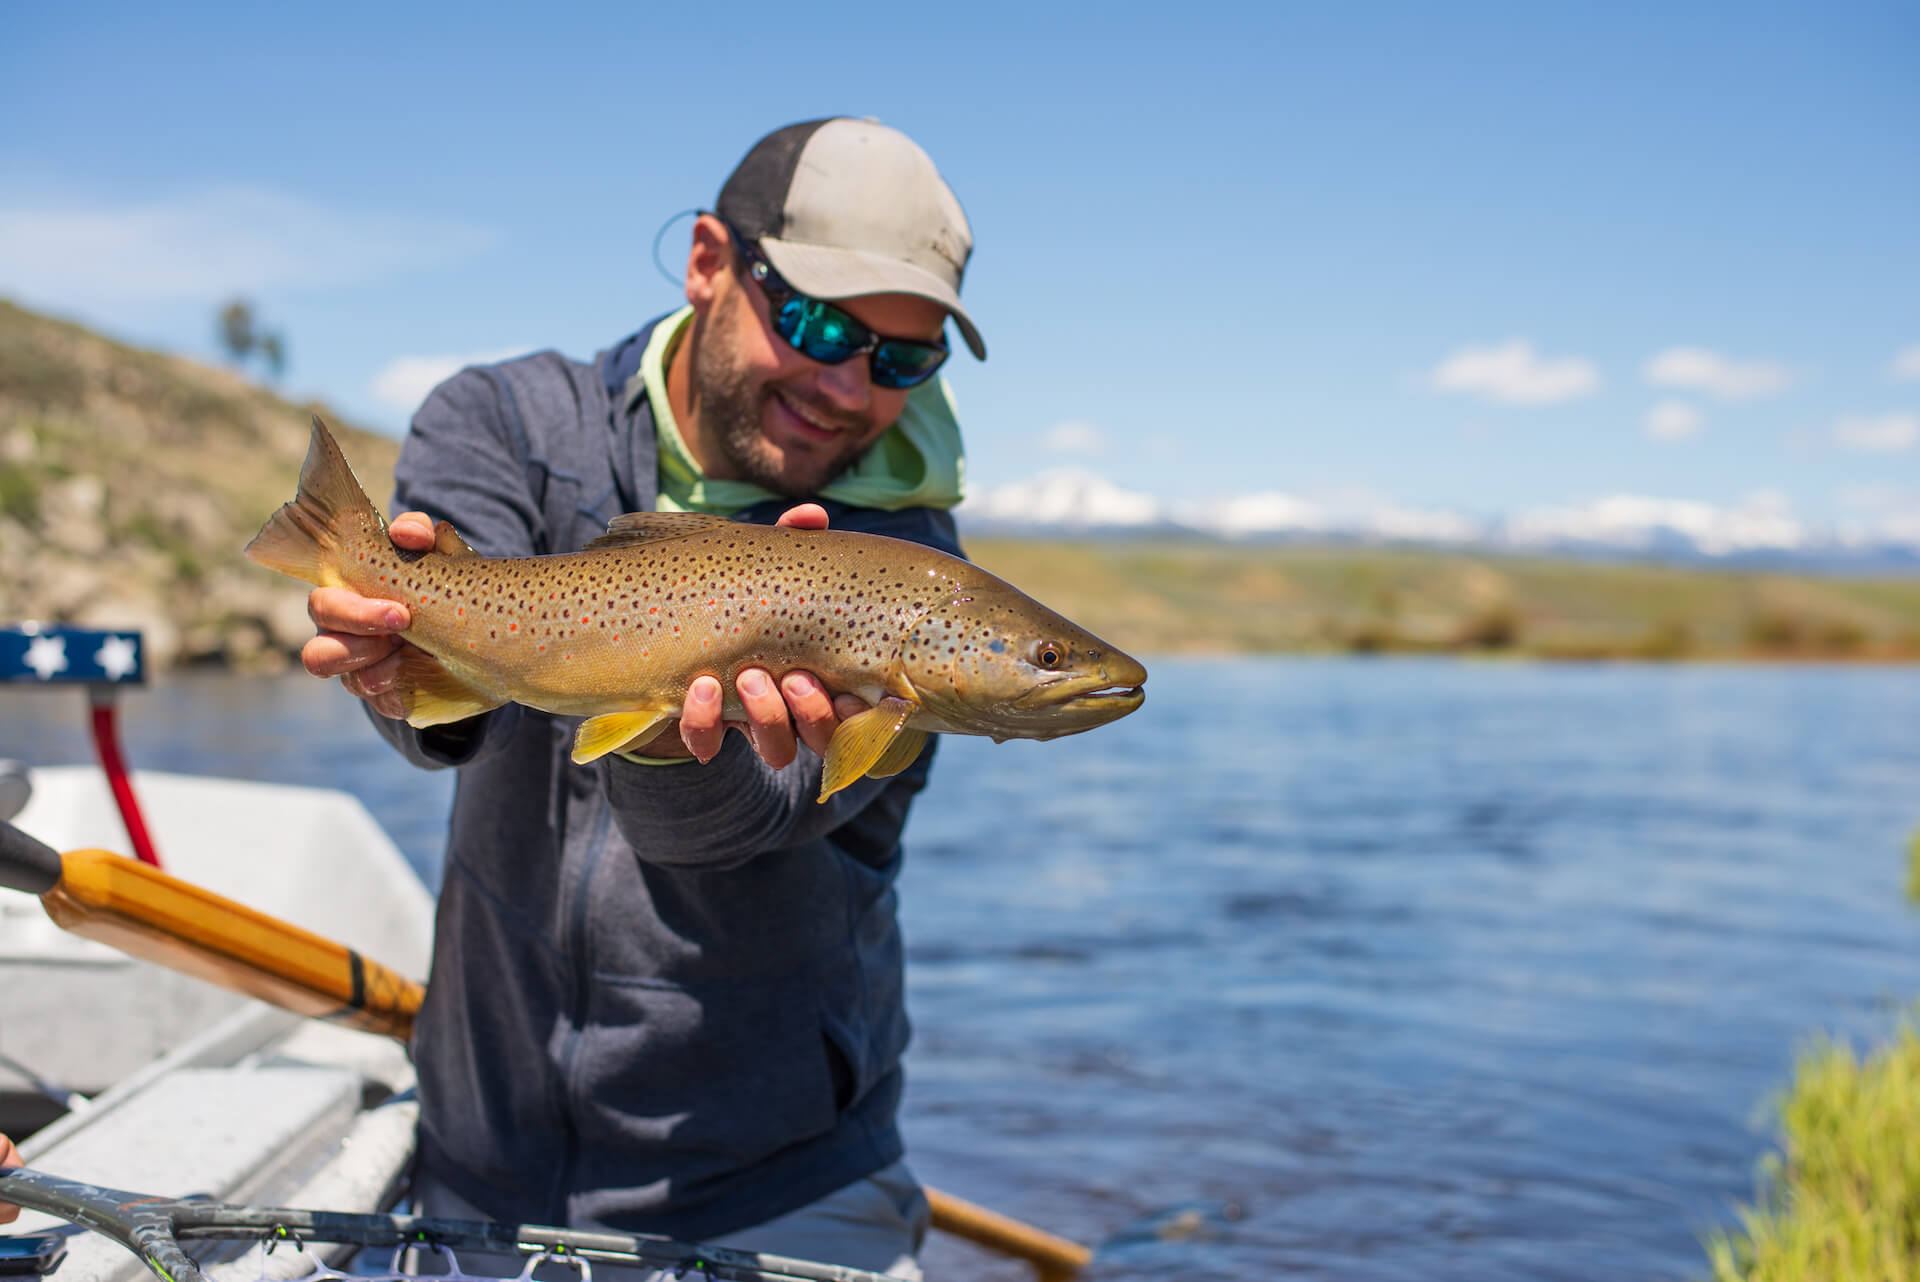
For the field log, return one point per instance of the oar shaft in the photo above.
(156, 917)
(1054, 1258)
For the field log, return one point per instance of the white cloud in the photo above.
(1076, 436)
(1905, 366)
(1064, 497)
(1700, 370)
(210, 244)
(1673, 421)
(405, 381)
(1763, 520)
(1513, 374)
(1886, 434)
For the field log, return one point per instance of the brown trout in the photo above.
(615, 633)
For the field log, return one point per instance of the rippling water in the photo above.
(1336, 969)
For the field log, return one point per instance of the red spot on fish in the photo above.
(543, 647)
(513, 627)
(616, 638)
(653, 609)
(584, 618)
(462, 611)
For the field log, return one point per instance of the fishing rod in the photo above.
(160, 918)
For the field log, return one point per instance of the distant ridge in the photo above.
(131, 479)
(1759, 533)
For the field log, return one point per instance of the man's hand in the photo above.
(359, 642)
(9, 1156)
(799, 706)
(360, 636)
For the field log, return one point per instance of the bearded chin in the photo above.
(731, 404)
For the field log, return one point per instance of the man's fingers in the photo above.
(333, 654)
(849, 705)
(375, 682)
(412, 531)
(9, 1156)
(768, 724)
(812, 710)
(344, 610)
(808, 516)
(700, 726)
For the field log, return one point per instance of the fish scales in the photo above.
(616, 633)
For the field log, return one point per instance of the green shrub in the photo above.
(1841, 1202)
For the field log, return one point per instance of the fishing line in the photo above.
(660, 235)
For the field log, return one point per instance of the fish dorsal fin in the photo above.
(447, 541)
(650, 527)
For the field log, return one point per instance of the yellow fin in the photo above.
(864, 741)
(612, 731)
(300, 540)
(435, 696)
(447, 541)
(634, 528)
(901, 753)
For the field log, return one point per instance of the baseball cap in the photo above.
(845, 207)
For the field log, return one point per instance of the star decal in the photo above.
(117, 657)
(47, 655)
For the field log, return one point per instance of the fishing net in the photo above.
(200, 1241)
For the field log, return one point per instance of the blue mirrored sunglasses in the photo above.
(822, 332)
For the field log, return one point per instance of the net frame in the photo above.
(154, 1228)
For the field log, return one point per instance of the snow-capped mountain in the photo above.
(1760, 529)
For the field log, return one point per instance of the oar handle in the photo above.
(27, 863)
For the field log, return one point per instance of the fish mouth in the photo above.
(1112, 701)
(1079, 695)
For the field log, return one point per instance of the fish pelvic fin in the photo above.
(868, 741)
(435, 696)
(612, 731)
(302, 539)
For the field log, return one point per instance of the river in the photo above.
(1334, 968)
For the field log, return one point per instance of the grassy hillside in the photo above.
(1191, 595)
(130, 480)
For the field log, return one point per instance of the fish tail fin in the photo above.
(303, 538)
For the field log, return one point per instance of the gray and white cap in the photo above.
(847, 207)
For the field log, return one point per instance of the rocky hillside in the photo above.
(131, 480)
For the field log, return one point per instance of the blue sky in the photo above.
(1472, 257)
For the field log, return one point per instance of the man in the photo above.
(666, 997)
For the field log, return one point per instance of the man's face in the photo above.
(775, 417)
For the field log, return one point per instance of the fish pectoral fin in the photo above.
(634, 528)
(865, 741)
(612, 731)
(901, 753)
(447, 541)
(435, 696)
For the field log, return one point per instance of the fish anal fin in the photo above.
(435, 696)
(901, 753)
(635, 528)
(447, 541)
(612, 731)
(863, 741)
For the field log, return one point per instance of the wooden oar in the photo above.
(159, 918)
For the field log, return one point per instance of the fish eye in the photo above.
(1049, 654)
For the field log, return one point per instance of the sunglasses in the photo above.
(822, 332)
